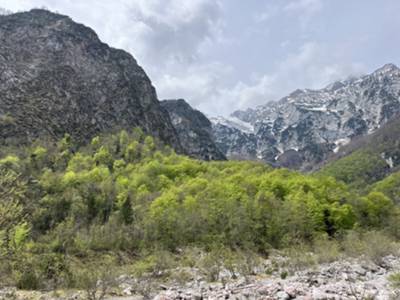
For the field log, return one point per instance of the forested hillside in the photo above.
(127, 195)
(368, 159)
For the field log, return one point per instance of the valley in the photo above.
(106, 192)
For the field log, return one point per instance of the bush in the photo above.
(394, 280)
(326, 250)
(379, 245)
(373, 245)
(299, 257)
(155, 265)
(96, 280)
(28, 279)
(211, 264)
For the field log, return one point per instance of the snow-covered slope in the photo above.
(304, 127)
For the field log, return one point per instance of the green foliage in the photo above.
(390, 186)
(96, 280)
(394, 280)
(10, 162)
(14, 228)
(374, 245)
(19, 236)
(155, 265)
(126, 193)
(357, 169)
(326, 250)
(375, 210)
(28, 280)
(300, 257)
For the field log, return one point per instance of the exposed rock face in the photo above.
(234, 140)
(57, 77)
(304, 127)
(384, 144)
(194, 130)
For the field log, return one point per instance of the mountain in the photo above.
(235, 138)
(304, 128)
(194, 130)
(57, 77)
(367, 159)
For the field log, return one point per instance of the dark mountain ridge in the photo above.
(57, 77)
(194, 130)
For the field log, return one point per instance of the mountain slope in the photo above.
(57, 77)
(367, 159)
(194, 130)
(234, 138)
(303, 128)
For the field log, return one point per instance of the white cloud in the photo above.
(204, 86)
(223, 55)
(165, 36)
(316, 65)
(304, 10)
(309, 6)
(174, 30)
(312, 65)
(198, 83)
(154, 31)
(269, 11)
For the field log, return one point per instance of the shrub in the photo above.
(394, 280)
(28, 279)
(326, 250)
(95, 280)
(373, 245)
(299, 257)
(154, 265)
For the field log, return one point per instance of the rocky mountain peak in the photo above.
(387, 69)
(57, 77)
(303, 128)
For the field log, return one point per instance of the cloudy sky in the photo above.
(223, 55)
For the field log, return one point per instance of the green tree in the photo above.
(13, 212)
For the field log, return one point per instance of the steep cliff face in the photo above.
(234, 138)
(194, 130)
(303, 128)
(57, 77)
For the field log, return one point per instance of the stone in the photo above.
(282, 295)
(7, 293)
(127, 291)
(359, 270)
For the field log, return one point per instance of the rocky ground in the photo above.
(345, 279)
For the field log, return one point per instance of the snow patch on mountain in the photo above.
(234, 122)
(311, 124)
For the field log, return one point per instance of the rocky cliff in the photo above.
(305, 127)
(57, 77)
(194, 130)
